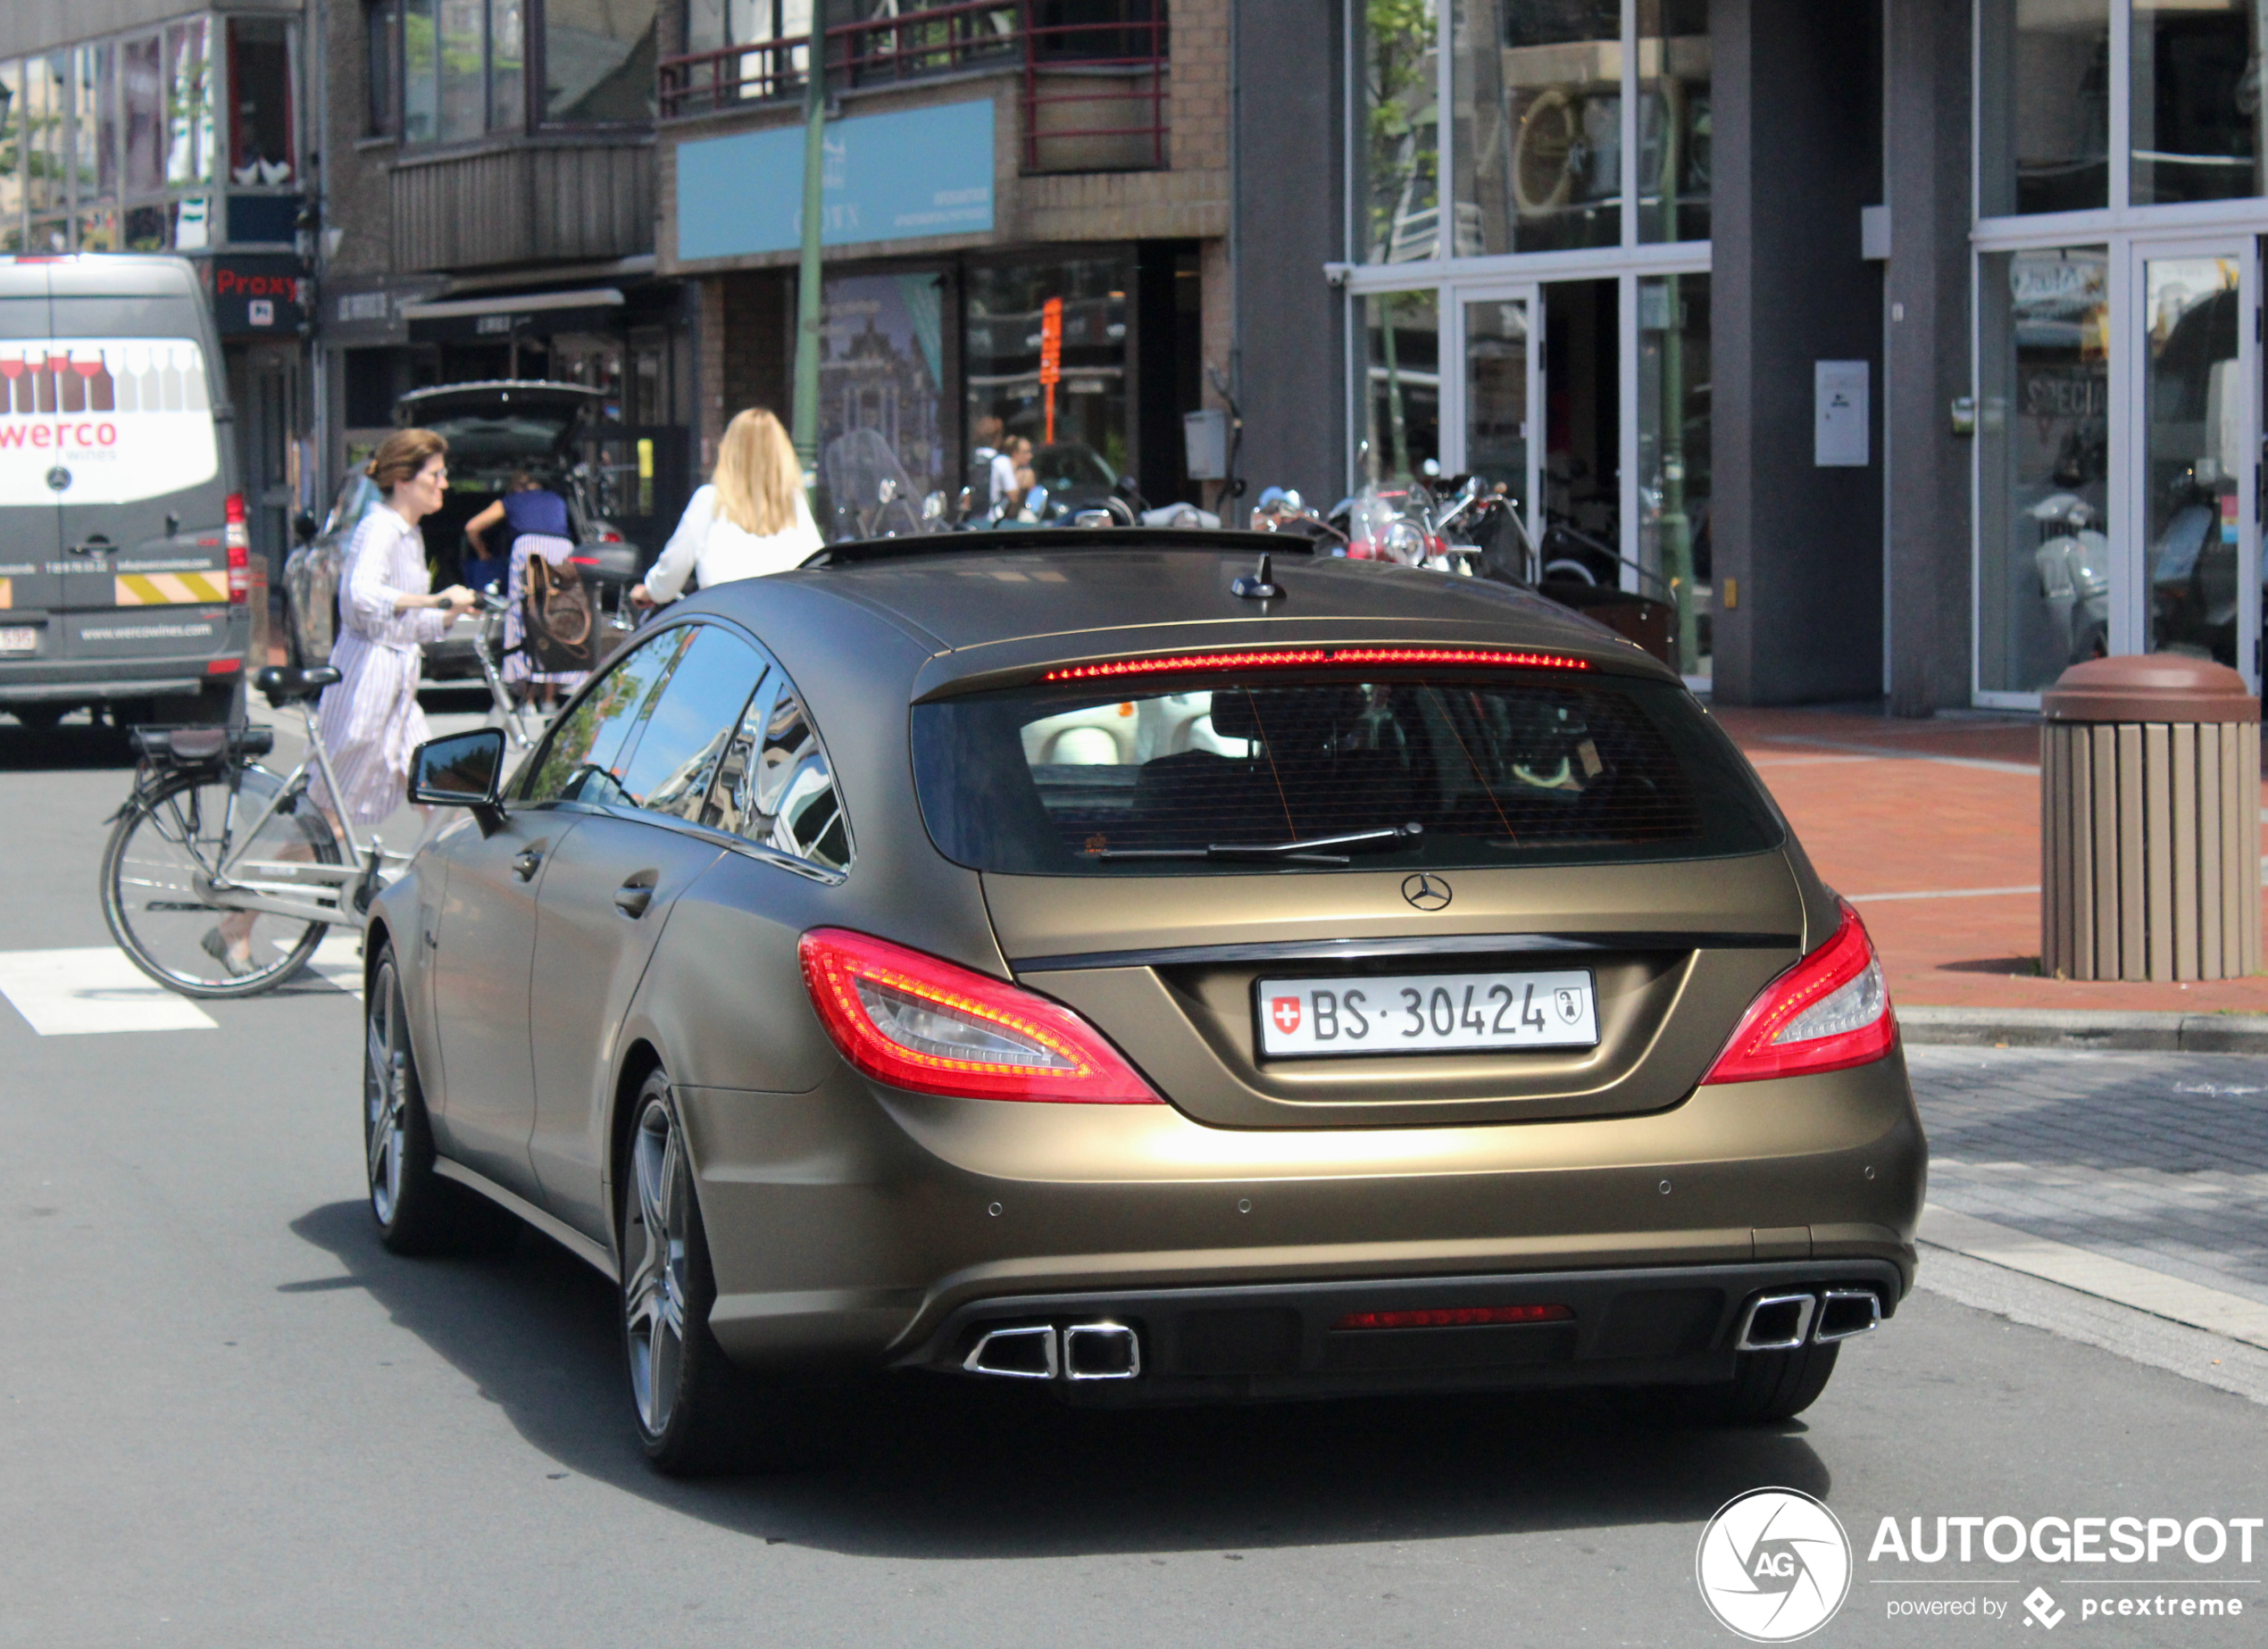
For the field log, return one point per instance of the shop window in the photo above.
(599, 60)
(188, 107)
(262, 147)
(462, 97)
(1069, 436)
(45, 127)
(2043, 465)
(1538, 137)
(1399, 152)
(2196, 103)
(94, 126)
(421, 71)
(1674, 445)
(142, 87)
(1401, 425)
(1582, 481)
(11, 156)
(507, 65)
(2045, 123)
(381, 19)
(2194, 404)
(1674, 120)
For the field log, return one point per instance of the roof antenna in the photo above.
(1258, 586)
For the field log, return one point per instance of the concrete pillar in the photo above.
(1926, 136)
(1795, 88)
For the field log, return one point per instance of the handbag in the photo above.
(558, 621)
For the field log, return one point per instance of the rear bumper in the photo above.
(1652, 1326)
(86, 681)
(851, 1226)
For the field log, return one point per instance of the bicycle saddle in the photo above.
(285, 683)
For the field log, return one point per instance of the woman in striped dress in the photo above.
(387, 612)
(369, 720)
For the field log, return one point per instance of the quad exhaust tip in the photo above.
(1083, 1351)
(1779, 1322)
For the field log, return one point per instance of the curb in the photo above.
(2085, 1027)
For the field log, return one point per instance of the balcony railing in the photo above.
(1093, 93)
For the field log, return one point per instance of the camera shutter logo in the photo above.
(1773, 1565)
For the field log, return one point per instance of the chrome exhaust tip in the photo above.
(1777, 1322)
(1102, 1350)
(1022, 1353)
(1845, 1313)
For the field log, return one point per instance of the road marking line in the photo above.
(1943, 892)
(79, 993)
(338, 959)
(2174, 1298)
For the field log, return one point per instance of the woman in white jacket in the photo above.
(751, 518)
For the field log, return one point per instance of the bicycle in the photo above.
(210, 833)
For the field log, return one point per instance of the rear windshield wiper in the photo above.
(1307, 850)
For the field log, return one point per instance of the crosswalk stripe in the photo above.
(92, 992)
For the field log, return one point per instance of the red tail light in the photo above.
(916, 1022)
(607, 534)
(238, 536)
(1311, 658)
(1830, 1012)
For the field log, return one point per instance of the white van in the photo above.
(124, 560)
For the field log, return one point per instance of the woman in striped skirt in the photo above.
(369, 719)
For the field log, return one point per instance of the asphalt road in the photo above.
(230, 1419)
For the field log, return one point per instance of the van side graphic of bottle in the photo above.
(152, 396)
(42, 378)
(129, 387)
(16, 398)
(169, 379)
(96, 375)
(71, 389)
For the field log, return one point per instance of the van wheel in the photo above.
(37, 718)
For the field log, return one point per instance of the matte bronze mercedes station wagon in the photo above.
(1104, 960)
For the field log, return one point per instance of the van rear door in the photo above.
(30, 525)
(144, 518)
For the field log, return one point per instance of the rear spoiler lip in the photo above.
(1431, 945)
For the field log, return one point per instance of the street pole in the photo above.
(805, 419)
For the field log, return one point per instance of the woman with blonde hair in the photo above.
(388, 610)
(751, 518)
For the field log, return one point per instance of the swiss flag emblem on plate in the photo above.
(1285, 1012)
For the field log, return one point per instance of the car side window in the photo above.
(675, 759)
(775, 786)
(581, 760)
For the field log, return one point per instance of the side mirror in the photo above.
(303, 527)
(464, 770)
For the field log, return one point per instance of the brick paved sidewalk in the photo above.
(1932, 829)
(2159, 1160)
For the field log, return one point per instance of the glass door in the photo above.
(2195, 475)
(1498, 358)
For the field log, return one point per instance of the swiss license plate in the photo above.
(19, 639)
(1426, 1013)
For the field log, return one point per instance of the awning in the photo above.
(509, 315)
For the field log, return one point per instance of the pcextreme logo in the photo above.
(1773, 1565)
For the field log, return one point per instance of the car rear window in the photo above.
(1502, 769)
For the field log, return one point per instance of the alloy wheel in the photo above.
(386, 1081)
(653, 1295)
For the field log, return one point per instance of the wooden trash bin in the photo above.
(2149, 815)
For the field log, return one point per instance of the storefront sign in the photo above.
(258, 296)
(368, 313)
(888, 177)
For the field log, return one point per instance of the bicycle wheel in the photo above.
(159, 851)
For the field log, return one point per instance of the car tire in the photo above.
(417, 1210)
(1766, 1388)
(697, 1414)
(37, 717)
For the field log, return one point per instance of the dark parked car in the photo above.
(495, 430)
(1065, 958)
(124, 557)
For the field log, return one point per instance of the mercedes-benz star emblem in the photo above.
(1428, 893)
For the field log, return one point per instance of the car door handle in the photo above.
(633, 896)
(524, 867)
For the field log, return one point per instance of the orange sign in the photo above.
(1051, 356)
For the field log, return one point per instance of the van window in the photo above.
(127, 417)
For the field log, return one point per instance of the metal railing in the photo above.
(1092, 67)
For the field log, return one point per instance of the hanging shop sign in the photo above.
(258, 296)
(911, 175)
